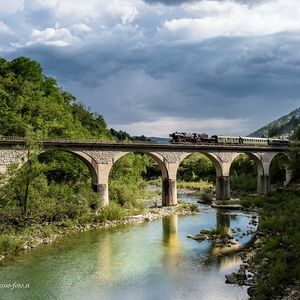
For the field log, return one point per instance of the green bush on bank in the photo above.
(207, 198)
(10, 244)
(279, 221)
(112, 212)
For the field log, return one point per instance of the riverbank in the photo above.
(46, 233)
(271, 264)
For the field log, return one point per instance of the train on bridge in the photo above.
(203, 138)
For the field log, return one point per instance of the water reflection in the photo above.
(223, 219)
(231, 259)
(153, 260)
(171, 239)
(105, 259)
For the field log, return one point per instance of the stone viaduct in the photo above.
(100, 157)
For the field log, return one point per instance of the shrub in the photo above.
(193, 207)
(111, 212)
(10, 244)
(207, 198)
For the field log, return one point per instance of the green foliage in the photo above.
(10, 244)
(207, 198)
(243, 174)
(284, 125)
(193, 207)
(124, 136)
(221, 232)
(130, 168)
(55, 187)
(196, 167)
(274, 131)
(279, 221)
(110, 213)
(199, 185)
(295, 161)
(277, 169)
(27, 97)
(296, 135)
(126, 185)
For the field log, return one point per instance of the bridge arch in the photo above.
(216, 162)
(288, 172)
(89, 162)
(162, 167)
(259, 170)
(155, 156)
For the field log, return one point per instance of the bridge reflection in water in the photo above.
(119, 259)
(171, 240)
(231, 259)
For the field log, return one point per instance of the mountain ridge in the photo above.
(283, 127)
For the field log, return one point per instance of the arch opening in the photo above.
(244, 172)
(135, 180)
(280, 170)
(197, 171)
(53, 185)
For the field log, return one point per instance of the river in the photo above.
(147, 261)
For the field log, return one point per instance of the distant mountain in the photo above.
(283, 127)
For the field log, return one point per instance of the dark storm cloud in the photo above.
(220, 77)
(140, 65)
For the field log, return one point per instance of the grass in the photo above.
(195, 185)
(221, 232)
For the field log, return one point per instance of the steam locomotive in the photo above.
(203, 138)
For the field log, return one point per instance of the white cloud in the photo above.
(162, 127)
(81, 27)
(208, 19)
(59, 36)
(11, 6)
(93, 10)
(4, 28)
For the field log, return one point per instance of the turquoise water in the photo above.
(152, 260)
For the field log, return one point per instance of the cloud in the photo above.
(59, 36)
(210, 19)
(139, 64)
(81, 27)
(4, 28)
(11, 7)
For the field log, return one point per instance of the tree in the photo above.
(21, 178)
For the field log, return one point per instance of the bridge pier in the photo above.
(288, 175)
(263, 184)
(102, 192)
(169, 192)
(223, 188)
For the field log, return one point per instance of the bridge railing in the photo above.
(67, 140)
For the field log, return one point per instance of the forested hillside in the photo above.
(286, 126)
(53, 189)
(28, 97)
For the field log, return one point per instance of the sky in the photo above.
(153, 67)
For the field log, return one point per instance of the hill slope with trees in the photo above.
(285, 126)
